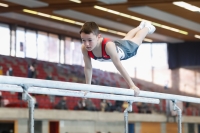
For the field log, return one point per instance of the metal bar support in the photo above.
(31, 104)
(179, 112)
(128, 109)
(86, 87)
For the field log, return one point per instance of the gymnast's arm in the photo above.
(112, 52)
(88, 65)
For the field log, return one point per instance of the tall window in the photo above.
(159, 55)
(77, 58)
(143, 56)
(191, 128)
(130, 66)
(62, 48)
(20, 42)
(105, 66)
(69, 46)
(143, 62)
(13, 43)
(53, 48)
(31, 50)
(5, 39)
(42, 46)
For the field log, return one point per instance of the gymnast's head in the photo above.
(90, 27)
(90, 35)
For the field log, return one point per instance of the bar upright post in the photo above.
(31, 105)
(179, 112)
(128, 109)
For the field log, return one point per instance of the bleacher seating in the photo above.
(68, 73)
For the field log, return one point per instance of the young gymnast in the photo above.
(103, 49)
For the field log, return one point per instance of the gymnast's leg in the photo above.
(138, 34)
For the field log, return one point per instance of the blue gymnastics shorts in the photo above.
(130, 48)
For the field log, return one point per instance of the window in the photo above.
(143, 62)
(5, 39)
(105, 66)
(31, 44)
(191, 128)
(13, 43)
(42, 46)
(161, 74)
(62, 52)
(77, 58)
(143, 56)
(37, 126)
(68, 50)
(53, 48)
(129, 65)
(159, 55)
(20, 42)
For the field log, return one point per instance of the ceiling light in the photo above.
(140, 19)
(187, 6)
(57, 18)
(121, 33)
(101, 8)
(43, 14)
(114, 12)
(79, 23)
(69, 21)
(112, 31)
(148, 40)
(31, 11)
(103, 29)
(76, 22)
(197, 36)
(4, 5)
(76, 1)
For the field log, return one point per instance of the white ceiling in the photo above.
(112, 1)
(166, 17)
(108, 23)
(46, 23)
(29, 3)
(85, 17)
